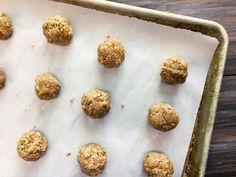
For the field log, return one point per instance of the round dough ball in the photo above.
(111, 53)
(57, 30)
(157, 165)
(163, 117)
(174, 71)
(6, 28)
(31, 146)
(92, 159)
(96, 103)
(47, 86)
(2, 79)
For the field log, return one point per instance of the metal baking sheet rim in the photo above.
(196, 159)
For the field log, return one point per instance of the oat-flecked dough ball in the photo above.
(57, 30)
(174, 71)
(31, 146)
(92, 159)
(2, 79)
(163, 117)
(96, 103)
(47, 86)
(6, 28)
(157, 165)
(111, 53)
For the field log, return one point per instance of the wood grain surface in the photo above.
(222, 155)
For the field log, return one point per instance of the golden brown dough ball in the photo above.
(92, 159)
(57, 30)
(96, 103)
(163, 117)
(174, 71)
(157, 165)
(2, 78)
(47, 86)
(111, 53)
(31, 146)
(6, 28)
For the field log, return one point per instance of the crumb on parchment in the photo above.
(72, 100)
(68, 154)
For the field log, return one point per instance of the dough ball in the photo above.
(163, 117)
(92, 159)
(57, 30)
(47, 86)
(96, 103)
(6, 28)
(31, 146)
(158, 165)
(174, 71)
(2, 79)
(111, 53)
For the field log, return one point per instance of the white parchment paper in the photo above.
(124, 132)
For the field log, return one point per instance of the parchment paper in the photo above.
(124, 132)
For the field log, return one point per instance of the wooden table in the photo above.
(222, 156)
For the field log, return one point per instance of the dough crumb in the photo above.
(157, 165)
(47, 86)
(68, 154)
(2, 79)
(163, 117)
(174, 71)
(31, 146)
(6, 28)
(57, 30)
(92, 159)
(72, 100)
(96, 103)
(111, 53)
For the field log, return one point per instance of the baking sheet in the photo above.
(124, 132)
